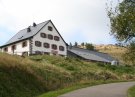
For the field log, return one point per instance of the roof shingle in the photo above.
(23, 34)
(91, 55)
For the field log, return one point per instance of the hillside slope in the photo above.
(31, 76)
(21, 77)
(113, 50)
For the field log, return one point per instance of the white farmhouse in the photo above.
(41, 38)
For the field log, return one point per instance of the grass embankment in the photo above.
(35, 75)
(131, 92)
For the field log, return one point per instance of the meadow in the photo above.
(131, 92)
(35, 75)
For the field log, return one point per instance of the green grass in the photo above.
(15, 82)
(131, 92)
(35, 75)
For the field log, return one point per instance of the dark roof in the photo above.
(91, 55)
(23, 34)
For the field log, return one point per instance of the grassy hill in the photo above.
(113, 50)
(32, 76)
(131, 92)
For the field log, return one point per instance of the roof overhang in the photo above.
(15, 42)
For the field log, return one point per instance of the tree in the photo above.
(129, 56)
(122, 20)
(76, 44)
(70, 45)
(82, 44)
(89, 46)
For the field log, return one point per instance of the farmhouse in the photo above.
(44, 38)
(41, 38)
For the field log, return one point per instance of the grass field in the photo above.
(131, 92)
(35, 75)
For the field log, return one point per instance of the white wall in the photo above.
(19, 49)
(54, 33)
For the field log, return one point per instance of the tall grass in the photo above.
(131, 92)
(31, 76)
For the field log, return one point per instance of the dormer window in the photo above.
(50, 28)
(34, 24)
(24, 44)
(50, 37)
(28, 29)
(6, 49)
(43, 35)
(56, 38)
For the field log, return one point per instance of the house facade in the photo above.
(41, 38)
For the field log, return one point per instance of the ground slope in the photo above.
(32, 76)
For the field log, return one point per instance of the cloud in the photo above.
(83, 20)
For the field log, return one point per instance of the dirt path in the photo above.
(105, 90)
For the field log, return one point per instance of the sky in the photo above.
(76, 20)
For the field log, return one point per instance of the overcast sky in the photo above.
(76, 20)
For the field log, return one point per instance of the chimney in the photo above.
(28, 29)
(34, 24)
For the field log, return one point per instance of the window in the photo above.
(6, 49)
(56, 38)
(24, 44)
(13, 47)
(54, 46)
(46, 45)
(50, 28)
(61, 48)
(38, 43)
(43, 35)
(50, 37)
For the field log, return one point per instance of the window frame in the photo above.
(48, 45)
(24, 44)
(49, 35)
(38, 43)
(13, 47)
(50, 28)
(61, 48)
(56, 38)
(54, 46)
(43, 35)
(5, 49)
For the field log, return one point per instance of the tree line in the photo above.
(84, 45)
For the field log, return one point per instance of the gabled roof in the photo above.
(23, 34)
(91, 55)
